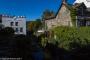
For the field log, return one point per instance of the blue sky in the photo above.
(32, 9)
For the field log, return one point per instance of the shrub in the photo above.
(7, 31)
(72, 38)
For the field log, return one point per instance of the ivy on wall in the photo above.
(73, 16)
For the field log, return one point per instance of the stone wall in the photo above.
(63, 18)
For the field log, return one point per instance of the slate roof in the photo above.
(86, 2)
(81, 4)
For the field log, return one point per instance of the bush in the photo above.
(7, 31)
(72, 38)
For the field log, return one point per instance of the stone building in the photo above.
(17, 23)
(62, 17)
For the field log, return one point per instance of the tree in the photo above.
(38, 23)
(7, 31)
(34, 25)
(1, 26)
(31, 26)
(48, 14)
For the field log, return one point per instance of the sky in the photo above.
(32, 9)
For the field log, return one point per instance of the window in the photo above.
(16, 30)
(88, 23)
(12, 23)
(21, 29)
(16, 23)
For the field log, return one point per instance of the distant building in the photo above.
(83, 12)
(62, 18)
(17, 23)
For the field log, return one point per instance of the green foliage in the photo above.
(7, 31)
(34, 25)
(73, 16)
(48, 14)
(72, 38)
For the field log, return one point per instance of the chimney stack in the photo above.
(64, 1)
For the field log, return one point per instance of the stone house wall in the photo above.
(63, 18)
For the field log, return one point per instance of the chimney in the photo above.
(64, 1)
